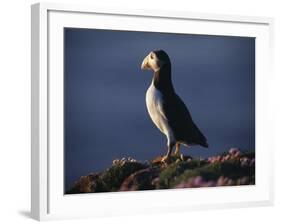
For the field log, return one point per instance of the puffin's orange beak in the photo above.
(145, 64)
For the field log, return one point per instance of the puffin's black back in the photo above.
(180, 120)
(174, 108)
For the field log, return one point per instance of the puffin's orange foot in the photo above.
(166, 159)
(176, 153)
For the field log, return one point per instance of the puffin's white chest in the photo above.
(154, 104)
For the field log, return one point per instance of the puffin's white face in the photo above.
(151, 62)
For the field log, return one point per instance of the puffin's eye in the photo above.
(151, 56)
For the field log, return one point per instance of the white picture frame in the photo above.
(48, 200)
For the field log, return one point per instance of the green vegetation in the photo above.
(231, 168)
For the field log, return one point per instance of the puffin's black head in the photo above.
(155, 60)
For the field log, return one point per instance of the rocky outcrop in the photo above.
(141, 180)
(231, 168)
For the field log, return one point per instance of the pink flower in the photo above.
(198, 181)
(252, 163)
(237, 154)
(212, 159)
(244, 161)
(227, 157)
(210, 184)
(221, 181)
(233, 151)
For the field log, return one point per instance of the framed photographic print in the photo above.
(148, 111)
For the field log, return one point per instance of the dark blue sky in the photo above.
(105, 112)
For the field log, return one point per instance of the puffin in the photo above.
(166, 109)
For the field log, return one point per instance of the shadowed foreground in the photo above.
(229, 169)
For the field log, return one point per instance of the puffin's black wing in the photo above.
(181, 122)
